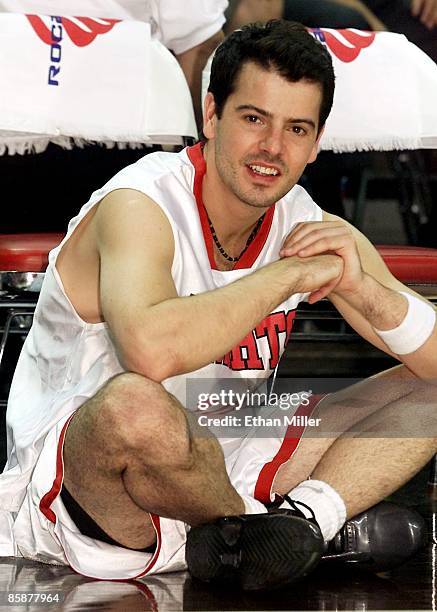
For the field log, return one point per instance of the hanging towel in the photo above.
(386, 93)
(72, 80)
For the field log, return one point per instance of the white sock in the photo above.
(252, 505)
(327, 505)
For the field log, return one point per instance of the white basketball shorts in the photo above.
(44, 531)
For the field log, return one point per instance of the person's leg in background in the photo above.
(312, 13)
(397, 17)
(241, 12)
(324, 14)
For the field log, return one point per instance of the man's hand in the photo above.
(426, 11)
(318, 275)
(366, 295)
(323, 237)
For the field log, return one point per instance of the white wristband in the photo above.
(414, 330)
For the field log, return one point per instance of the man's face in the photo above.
(266, 135)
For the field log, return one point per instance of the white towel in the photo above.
(386, 93)
(75, 80)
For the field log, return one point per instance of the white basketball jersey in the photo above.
(66, 360)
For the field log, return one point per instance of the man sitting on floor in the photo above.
(188, 267)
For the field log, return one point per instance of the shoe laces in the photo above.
(295, 506)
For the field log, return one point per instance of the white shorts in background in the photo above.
(44, 531)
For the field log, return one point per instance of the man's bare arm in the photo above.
(159, 334)
(368, 294)
(378, 304)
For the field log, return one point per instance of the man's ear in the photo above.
(209, 116)
(315, 149)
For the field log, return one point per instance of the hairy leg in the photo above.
(374, 436)
(324, 14)
(130, 450)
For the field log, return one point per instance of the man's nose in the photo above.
(272, 141)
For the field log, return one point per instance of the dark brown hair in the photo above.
(284, 46)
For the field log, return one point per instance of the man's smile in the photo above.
(263, 172)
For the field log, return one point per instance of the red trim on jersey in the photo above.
(289, 444)
(195, 155)
(48, 499)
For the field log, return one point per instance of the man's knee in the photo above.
(143, 418)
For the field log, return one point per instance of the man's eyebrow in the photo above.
(309, 122)
(264, 113)
(249, 107)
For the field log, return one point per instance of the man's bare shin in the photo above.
(373, 438)
(366, 470)
(196, 492)
(382, 452)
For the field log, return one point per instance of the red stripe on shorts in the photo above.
(48, 499)
(154, 559)
(289, 444)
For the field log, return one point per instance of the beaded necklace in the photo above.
(249, 240)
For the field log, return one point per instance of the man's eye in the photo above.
(252, 119)
(299, 130)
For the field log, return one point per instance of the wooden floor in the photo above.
(410, 587)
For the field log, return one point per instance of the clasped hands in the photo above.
(311, 239)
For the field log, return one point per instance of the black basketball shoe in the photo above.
(378, 539)
(255, 551)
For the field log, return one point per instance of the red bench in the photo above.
(23, 260)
